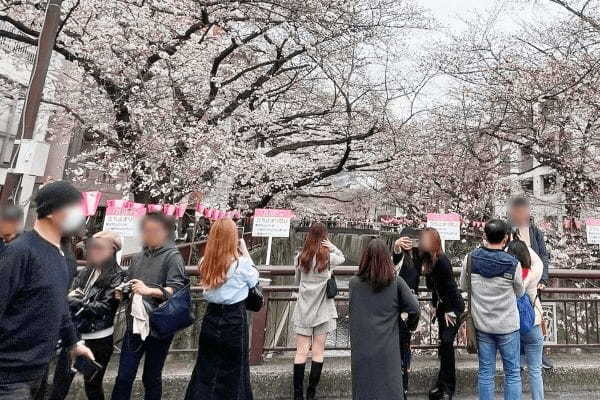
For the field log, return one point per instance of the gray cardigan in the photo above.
(313, 308)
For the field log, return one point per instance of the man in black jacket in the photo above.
(33, 289)
(520, 217)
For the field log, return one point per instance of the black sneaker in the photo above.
(546, 362)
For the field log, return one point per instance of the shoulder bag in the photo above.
(331, 290)
(255, 299)
(173, 314)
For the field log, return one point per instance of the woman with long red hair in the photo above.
(227, 273)
(315, 314)
(448, 304)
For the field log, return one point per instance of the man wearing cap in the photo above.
(33, 294)
(11, 224)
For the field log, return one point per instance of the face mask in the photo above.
(73, 221)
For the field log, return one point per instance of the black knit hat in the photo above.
(54, 196)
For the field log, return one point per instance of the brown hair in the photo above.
(376, 266)
(313, 248)
(221, 250)
(434, 253)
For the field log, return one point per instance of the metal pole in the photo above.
(35, 91)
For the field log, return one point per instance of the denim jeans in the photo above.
(533, 345)
(155, 352)
(509, 347)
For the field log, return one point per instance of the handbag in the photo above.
(255, 299)
(471, 332)
(173, 314)
(331, 290)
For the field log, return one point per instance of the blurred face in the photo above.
(154, 234)
(425, 242)
(520, 215)
(99, 251)
(68, 220)
(9, 227)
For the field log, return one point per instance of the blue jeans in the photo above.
(155, 351)
(509, 347)
(533, 345)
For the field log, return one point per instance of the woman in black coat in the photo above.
(448, 304)
(93, 307)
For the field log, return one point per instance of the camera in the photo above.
(125, 288)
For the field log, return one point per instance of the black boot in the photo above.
(299, 381)
(313, 379)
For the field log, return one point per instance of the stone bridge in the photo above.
(575, 346)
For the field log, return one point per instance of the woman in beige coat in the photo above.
(314, 315)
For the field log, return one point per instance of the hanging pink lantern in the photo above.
(200, 208)
(169, 209)
(207, 212)
(137, 206)
(154, 208)
(90, 202)
(180, 210)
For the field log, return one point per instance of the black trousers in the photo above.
(63, 376)
(447, 334)
(405, 354)
(222, 369)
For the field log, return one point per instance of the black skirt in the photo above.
(222, 371)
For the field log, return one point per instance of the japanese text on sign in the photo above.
(592, 228)
(448, 225)
(270, 222)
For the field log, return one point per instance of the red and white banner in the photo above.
(592, 228)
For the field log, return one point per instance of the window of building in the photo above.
(527, 186)
(549, 183)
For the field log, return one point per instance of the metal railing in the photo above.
(573, 312)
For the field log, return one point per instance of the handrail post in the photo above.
(259, 331)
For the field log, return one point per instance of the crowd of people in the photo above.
(45, 305)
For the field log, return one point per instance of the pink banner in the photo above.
(200, 208)
(271, 212)
(135, 212)
(169, 209)
(137, 206)
(592, 222)
(180, 210)
(450, 217)
(121, 203)
(90, 202)
(154, 208)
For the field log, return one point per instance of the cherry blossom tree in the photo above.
(253, 99)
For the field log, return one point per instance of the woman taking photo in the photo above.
(448, 305)
(408, 266)
(532, 342)
(377, 299)
(93, 307)
(159, 264)
(314, 315)
(227, 273)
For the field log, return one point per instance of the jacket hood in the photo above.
(491, 263)
(169, 246)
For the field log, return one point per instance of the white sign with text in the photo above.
(448, 225)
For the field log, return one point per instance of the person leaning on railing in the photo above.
(449, 306)
(314, 315)
(378, 300)
(227, 274)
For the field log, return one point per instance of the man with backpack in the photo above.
(495, 281)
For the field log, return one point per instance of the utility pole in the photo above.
(14, 179)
